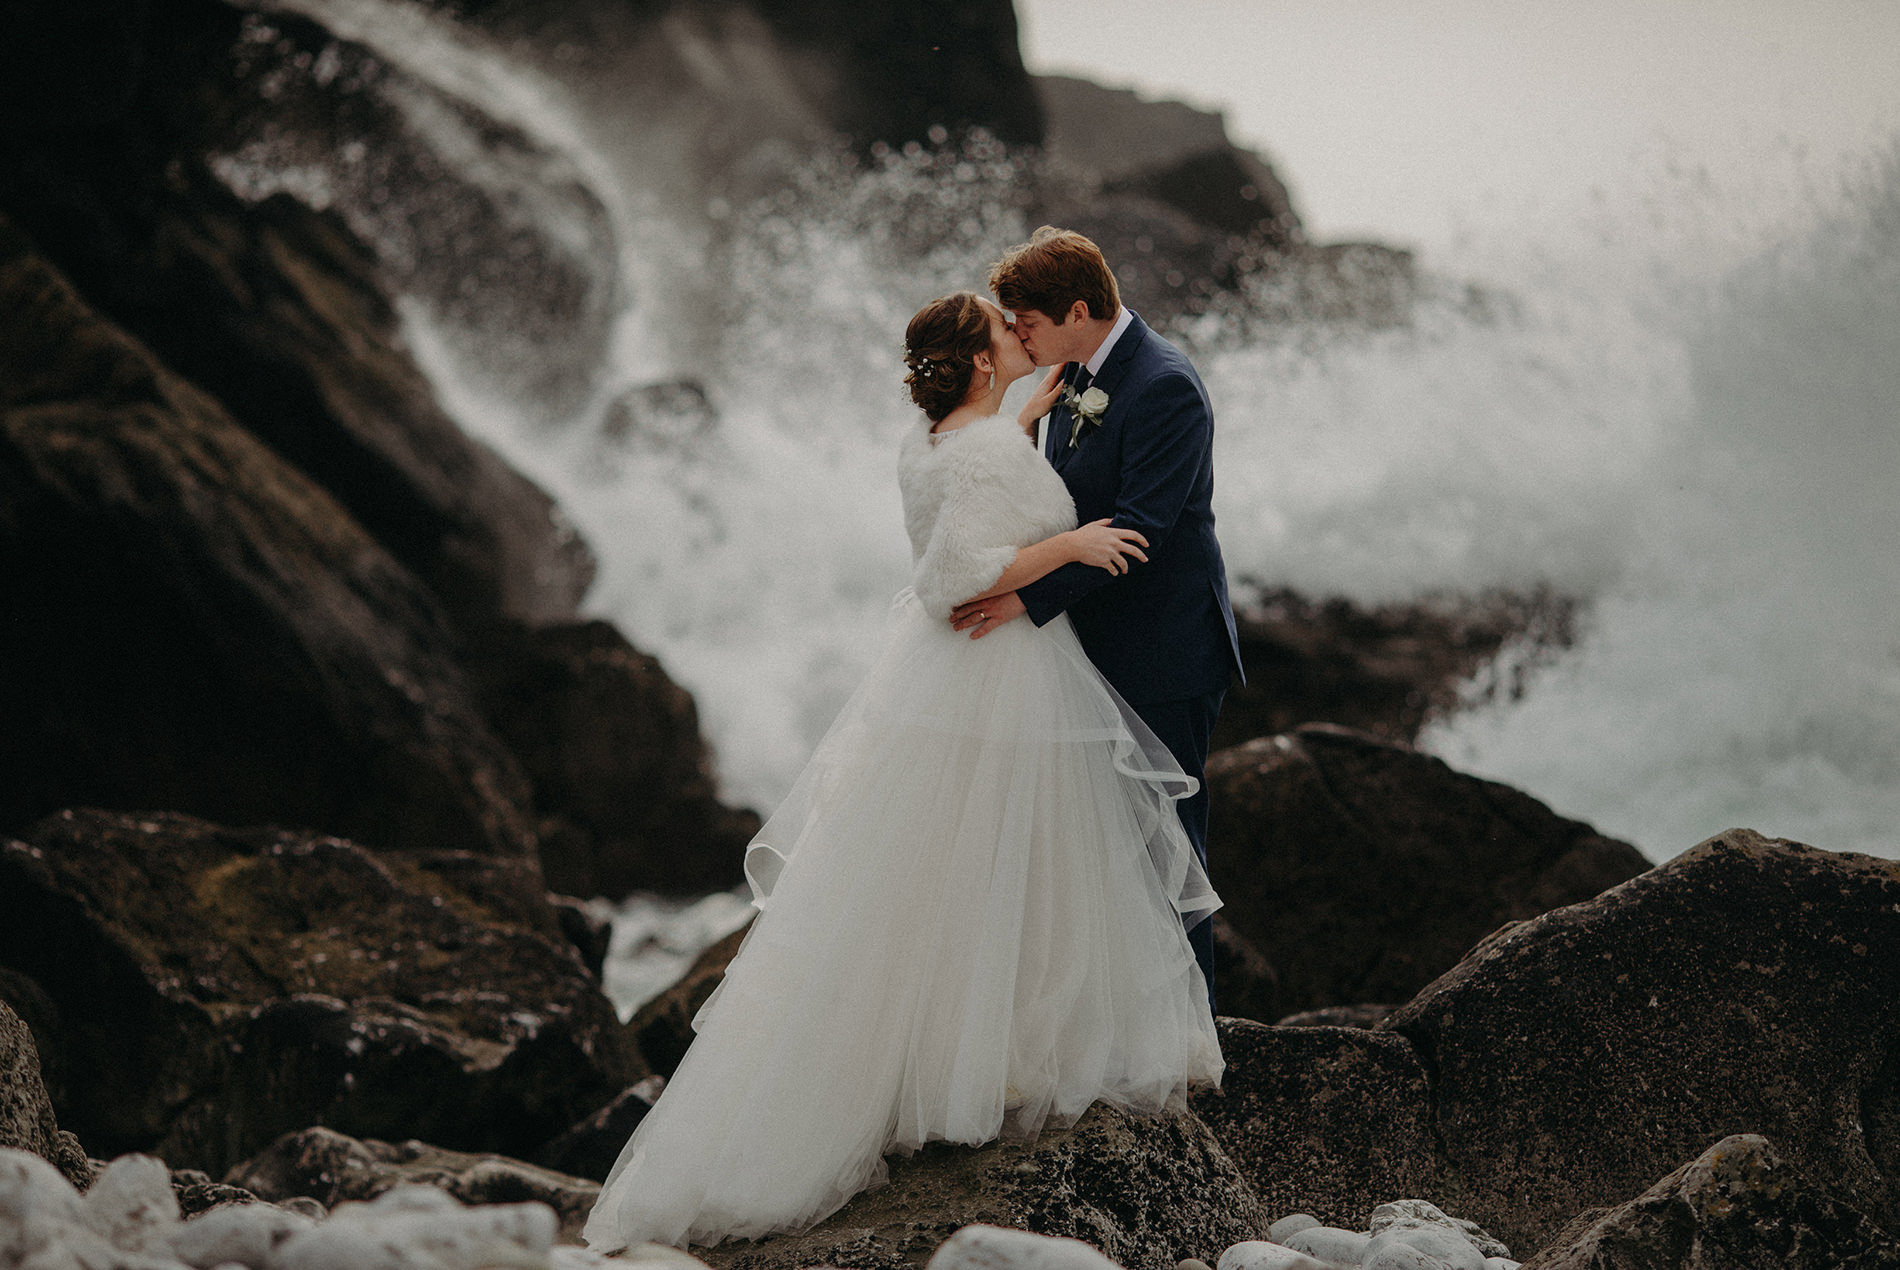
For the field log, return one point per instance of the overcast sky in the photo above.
(1414, 120)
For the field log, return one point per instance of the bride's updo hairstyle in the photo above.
(940, 347)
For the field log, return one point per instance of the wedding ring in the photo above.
(981, 616)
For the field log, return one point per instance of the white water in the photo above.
(1683, 408)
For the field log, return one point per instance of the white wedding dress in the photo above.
(971, 904)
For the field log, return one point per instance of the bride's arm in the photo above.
(1098, 543)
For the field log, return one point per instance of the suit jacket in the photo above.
(1164, 630)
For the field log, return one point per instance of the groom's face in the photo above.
(1044, 341)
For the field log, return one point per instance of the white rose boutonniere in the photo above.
(1086, 408)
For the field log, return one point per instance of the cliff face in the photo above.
(260, 574)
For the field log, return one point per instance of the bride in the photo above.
(971, 905)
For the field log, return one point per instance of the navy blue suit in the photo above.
(1163, 633)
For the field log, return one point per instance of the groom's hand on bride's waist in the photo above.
(980, 617)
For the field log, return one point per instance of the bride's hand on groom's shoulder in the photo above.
(1044, 401)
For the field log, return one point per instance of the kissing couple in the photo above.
(983, 906)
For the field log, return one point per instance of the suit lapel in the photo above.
(1114, 369)
(1056, 442)
(1121, 356)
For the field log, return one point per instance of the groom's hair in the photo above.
(1053, 270)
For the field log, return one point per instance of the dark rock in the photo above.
(1361, 870)
(197, 1192)
(220, 987)
(1324, 1120)
(1366, 1016)
(875, 72)
(206, 629)
(1386, 670)
(1747, 986)
(590, 1148)
(589, 933)
(1167, 151)
(276, 311)
(279, 311)
(674, 416)
(27, 1122)
(613, 747)
(331, 1168)
(1225, 188)
(663, 1027)
(29, 1001)
(906, 69)
(1737, 1206)
(1147, 1191)
(1245, 985)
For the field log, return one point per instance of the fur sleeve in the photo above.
(984, 519)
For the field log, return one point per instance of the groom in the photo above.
(1133, 442)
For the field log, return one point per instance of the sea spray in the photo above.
(1679, 409)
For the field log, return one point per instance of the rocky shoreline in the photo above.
(306, 744)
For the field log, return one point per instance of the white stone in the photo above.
(978, 1247)
(240, 1234)
(1417, 1212)
(1258, 1254)
(1291, 1224)
(1330, 1243)
(1501, 1263)
(131, 1204)
(43, 1223)
(416, 1232)
(1421, 1247)
(1414, 1211)
(37, 1204)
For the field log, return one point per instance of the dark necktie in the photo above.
(1083, 379)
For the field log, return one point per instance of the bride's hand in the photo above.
(1044, 401)
(1101, 544)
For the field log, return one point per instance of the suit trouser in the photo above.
(1185, 726)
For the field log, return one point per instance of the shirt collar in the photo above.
(1094, 364)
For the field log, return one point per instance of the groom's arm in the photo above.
(1164, 450)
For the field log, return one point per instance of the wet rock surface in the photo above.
(1145, 1191)
(219, 988)
(613, 747)
(1738, 1204)
(1744, 987)
(333, 1168)
(1324, 1121)
(1362, 870)
(207, 629)
(1385, 670)
(27, 1122)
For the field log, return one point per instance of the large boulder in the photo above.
(1328, 1121)
(1361, 870)
(1145, 1190)
(613, 747)
(221, 987)
(27, 1122)
(1739, 1204)
(204, 628)
(1747, 986)
(333, 1168)
(279, 310)
(1385, 669)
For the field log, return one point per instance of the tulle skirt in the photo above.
(971, 924)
